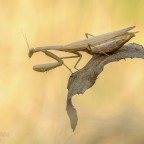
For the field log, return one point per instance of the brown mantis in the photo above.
(101, 44)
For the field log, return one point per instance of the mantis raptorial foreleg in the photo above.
(49, 66)
(46, 67)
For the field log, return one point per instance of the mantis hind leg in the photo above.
(87, 36)
(90, 46)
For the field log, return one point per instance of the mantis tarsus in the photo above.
(101, 44)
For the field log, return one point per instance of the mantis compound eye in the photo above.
(31, 51)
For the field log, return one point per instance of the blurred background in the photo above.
(32, 104)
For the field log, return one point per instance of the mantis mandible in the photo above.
(101, 44)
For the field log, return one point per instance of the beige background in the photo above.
(32, 104)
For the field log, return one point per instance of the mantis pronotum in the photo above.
(101, 44)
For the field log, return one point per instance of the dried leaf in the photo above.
(71, 111)
(85, 78)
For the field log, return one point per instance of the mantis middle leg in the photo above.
(77, 54)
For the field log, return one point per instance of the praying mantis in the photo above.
(101, 44)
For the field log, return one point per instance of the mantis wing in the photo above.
(82, 44)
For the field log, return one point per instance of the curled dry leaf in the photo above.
(85, 78)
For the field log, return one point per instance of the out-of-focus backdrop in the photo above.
(32, 104)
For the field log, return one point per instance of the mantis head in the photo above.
(31, 52)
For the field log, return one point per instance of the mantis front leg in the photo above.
(49, 66)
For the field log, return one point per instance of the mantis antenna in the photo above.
(26, 40)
